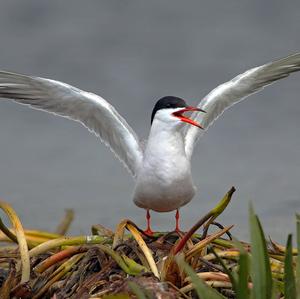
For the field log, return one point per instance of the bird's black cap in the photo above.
(168, 102)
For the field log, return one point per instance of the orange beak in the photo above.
(183, 118)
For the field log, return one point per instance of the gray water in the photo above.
(132, 53)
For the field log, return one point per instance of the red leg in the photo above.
(148, 231)
(177, 216)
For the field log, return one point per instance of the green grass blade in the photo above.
(289, 277)
(240, 281)
(242, 291)
(298, 257)
(202, 289)
(260, 264)
(230, 274)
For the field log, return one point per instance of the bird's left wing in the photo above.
(87, 108)
(231, 92)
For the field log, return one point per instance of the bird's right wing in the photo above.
(231, 92)
(87, 108)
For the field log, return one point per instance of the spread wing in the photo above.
(231, 92)
(87, 108)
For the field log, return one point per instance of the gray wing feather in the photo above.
(240, 87)
(87, 108)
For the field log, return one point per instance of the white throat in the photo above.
(165, 139)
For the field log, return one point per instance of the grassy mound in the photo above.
(129, 264)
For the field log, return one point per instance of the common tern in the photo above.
(161, 168)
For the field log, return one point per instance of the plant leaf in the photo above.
(289, 277)
(203, 291)
(260, 264)
(226, 270)
(242, 290)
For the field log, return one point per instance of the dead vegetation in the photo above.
(127, 263)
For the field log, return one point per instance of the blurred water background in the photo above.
(132, 53)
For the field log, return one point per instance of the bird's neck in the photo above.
(166, 139)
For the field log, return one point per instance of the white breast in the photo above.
(164, 181)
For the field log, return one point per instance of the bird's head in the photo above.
(171, 110)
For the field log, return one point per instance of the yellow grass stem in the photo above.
(119, 233)
(33, 237)
(210, 276)
(20, 236)
(226, 254)
(276, 266)
(42, 234)
(32, 241)
(7, 234)
(144, 248)
(197, 248)
(223, 243)
(118, 238)
(65, 241)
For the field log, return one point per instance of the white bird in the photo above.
(161, 169)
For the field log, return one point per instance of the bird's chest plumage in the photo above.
(164, 165)
(164, 182)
